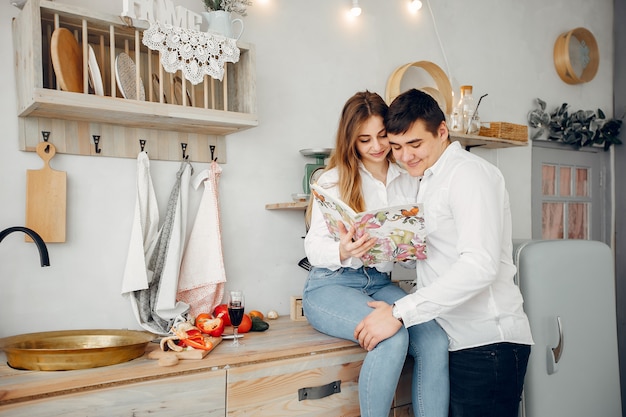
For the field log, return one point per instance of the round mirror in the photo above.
(576, 56)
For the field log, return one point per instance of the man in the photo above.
(466, 283)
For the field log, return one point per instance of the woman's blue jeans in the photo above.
(334, 302)
(487, 381)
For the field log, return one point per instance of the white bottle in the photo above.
(466, 106)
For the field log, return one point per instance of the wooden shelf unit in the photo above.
(201, 118)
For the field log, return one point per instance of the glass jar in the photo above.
(466, 106)
(455, 122)
(474, 125)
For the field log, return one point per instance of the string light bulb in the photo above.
(356, 9)
(414, 5)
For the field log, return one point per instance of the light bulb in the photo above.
(356, 9)
(414, 5)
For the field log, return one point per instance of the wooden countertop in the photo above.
(284, 339)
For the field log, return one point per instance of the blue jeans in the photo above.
(487, 381)
(334, 302)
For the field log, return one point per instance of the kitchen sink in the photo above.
(74, 349)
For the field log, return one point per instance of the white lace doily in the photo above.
(193, 52)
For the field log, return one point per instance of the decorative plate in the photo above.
(125, 76)
(95, 78)
(67, 60)
(178, 92)
(156, 86)
(317, 152)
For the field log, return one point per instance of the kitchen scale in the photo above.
(313, 171)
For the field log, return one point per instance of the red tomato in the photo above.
(209, 325)
(246, 324)
(223, 310)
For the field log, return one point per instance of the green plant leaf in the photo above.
(579, 128)
(542, 104)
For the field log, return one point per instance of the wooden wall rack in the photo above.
(201, 118)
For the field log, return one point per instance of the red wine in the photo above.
(236, 315)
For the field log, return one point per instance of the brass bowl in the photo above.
(74, 349)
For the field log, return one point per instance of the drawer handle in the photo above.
(315, 393)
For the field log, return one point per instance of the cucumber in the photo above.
(259, 325)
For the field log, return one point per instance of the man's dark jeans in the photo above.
(487, 381)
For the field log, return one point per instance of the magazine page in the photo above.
(400, 230)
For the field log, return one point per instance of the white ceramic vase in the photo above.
(220, 22)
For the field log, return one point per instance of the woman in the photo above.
(363, 173)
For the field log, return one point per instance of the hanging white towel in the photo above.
(144, 230)
(202, 274)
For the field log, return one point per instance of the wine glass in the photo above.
(236, 306)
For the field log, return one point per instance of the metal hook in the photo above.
(212, 148)
(46, 136)
(96, 141)
(184, 147)
(142, 144)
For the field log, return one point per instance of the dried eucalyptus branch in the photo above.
(580, 128)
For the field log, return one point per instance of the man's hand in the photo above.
(353, 248)
(377, 326)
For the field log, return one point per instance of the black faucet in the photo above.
(41, 245)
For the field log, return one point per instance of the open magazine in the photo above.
(400, 230)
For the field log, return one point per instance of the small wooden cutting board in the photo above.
(46, 198)
(193, 354)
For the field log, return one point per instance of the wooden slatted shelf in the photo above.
(174, 110)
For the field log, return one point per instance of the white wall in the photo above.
(309, 61)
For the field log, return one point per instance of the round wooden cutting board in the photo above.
(67, 60)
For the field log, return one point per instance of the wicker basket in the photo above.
(504, 130)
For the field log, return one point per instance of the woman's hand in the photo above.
(353, 248)
(376, 326)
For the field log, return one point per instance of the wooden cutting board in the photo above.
(46, 198)
(171, 358)
(67, 60)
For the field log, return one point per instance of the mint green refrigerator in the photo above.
(569, 297)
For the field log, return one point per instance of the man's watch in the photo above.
(395, 313)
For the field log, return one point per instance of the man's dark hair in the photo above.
(411, 106)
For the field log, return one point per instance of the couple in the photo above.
(464, 325)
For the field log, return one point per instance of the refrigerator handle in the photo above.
(554, 354)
